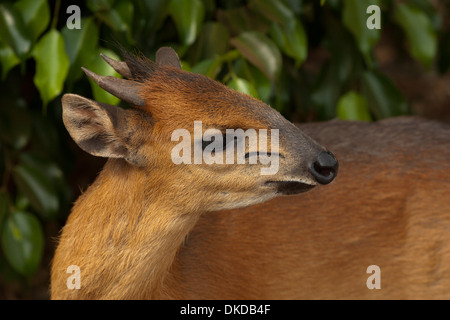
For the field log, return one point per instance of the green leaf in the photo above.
(430, 9)
(353, 106)
(52, 65)
(79, 45)
(23, 242)
(46, 136)
(354, 17)
(237, 20)
(119, 18)
(243, 86)
(22, 202)
(99, 5)
(383, 97)
(53, 176)
(213, 41)
(36, 15)
(255, 76)
(4, 207)
(155, 13)
(327, 92)
(125, 12)
(8, 59)
(99, 66)
(15, 126)
(292, 40)
(345, 55)
(37, 186)
(208, 67)
(242, 19)
(274, 10)
(188, 16)
(419, 32)
(13, 30)
(260, 51)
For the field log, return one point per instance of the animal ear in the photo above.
(166, 56)
(95, 126)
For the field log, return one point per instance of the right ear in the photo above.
(95, 126)
(166, 56)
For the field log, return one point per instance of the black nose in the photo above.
(324, 169)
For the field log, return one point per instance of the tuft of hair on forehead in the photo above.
(140, 66)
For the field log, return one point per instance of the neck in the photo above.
(131, 230)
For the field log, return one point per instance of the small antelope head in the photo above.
(169, 107)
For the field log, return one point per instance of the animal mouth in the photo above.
(290, 187)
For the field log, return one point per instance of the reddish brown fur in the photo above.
(389, 206)
(150, 229)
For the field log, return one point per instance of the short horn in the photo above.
(125, 90)
(120, 66)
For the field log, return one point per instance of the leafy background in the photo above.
(311, 60)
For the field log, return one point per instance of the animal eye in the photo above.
(210, 140)
(206, 143)
(224, 146)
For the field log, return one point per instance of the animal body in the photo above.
(149, 228)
